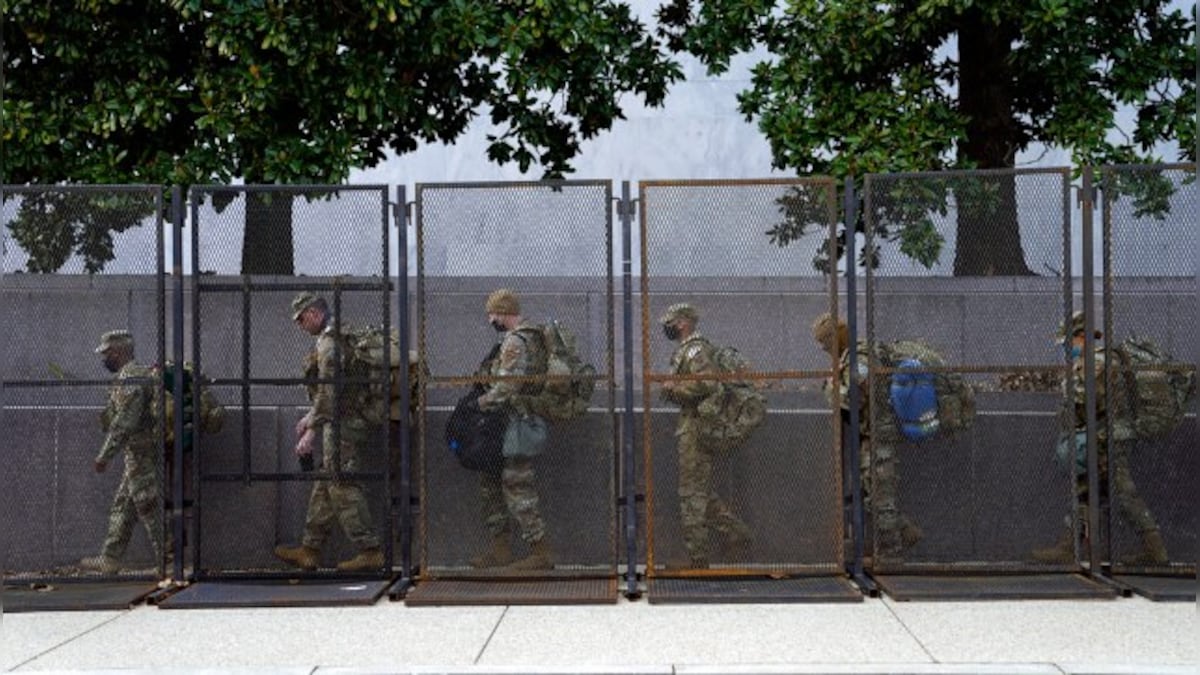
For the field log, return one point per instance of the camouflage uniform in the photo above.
(340, 499)
(129, 421)
(512, 498)
(877, 460)
(700, 507)
(1129, 503)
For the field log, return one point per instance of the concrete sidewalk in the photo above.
(879, 635)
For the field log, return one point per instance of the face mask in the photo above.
(497, 326)
(110, 363)
(671, 331)
(1073, 351)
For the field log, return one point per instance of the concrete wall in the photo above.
(990, 494)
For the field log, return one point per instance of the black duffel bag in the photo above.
(475, 437)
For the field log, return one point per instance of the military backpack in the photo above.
(369, 352)
(211, 415)
(729, 415)
(924, 403)
(1150, 391)
(567, 392)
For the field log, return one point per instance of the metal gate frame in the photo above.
(1103, 551)
(690, 585)
(53, 589)
(438, 586)
(200, 286)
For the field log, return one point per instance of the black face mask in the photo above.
(110, 363)
(499, 327)
(671, 331)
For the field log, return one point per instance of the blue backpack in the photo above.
(925, 404)
(913, 395)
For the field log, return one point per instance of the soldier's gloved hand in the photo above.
(100, 466)
(308, 443)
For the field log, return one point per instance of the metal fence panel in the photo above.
(552, 244)
(1149, 253)
(251, 492)
(67, 280)
(975, 265)
(774, 504)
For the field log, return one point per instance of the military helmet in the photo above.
(680, 310)
(303, 301)
(1075, 326)
(503, 301)
(824, 327)
(113, 339)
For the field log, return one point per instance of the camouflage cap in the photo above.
(824, 327)
(1077, 325)
(680, 310)
(503, 301)
(303, 301)
(113, 339)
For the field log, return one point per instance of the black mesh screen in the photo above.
(972, 265)
(79, 262)
(747, 256)
(1149, 266)
(256, 249)
(551, 243)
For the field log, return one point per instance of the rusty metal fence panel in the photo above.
(977, 266)
(773, 505)
(67, 280)
(1149, 266)
(551, 243)
(255, 248)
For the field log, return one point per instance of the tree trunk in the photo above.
(989, 237)
(267, 238)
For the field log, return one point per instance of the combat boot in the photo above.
(898, 539)
(1154, 551)
(1063, 551)
(100, 563)
(738, 542)
(539, 558)
(299, 556)
(367, 560)
(910, 533)
(499, 555)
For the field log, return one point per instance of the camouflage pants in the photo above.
(340, 500)
(700, 507)
(880, 485)
(1130, 505)
(512, 499)
(138, 497)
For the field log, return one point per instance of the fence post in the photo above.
(852, 441)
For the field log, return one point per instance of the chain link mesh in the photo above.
(67, 281)
(750, 257)
(1148, 217)
(551, 243)
(971, 264)
(251, 492)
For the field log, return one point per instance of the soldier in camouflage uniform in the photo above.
(700, 507)
(337, 499)
(878, 463)
(1072, 448)
(510, 500)
(129, 421)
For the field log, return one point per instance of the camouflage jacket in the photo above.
(323, 397)
(695, 355)
(863, 368)
(1077, 395)
(128, 419)
(521, 354)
